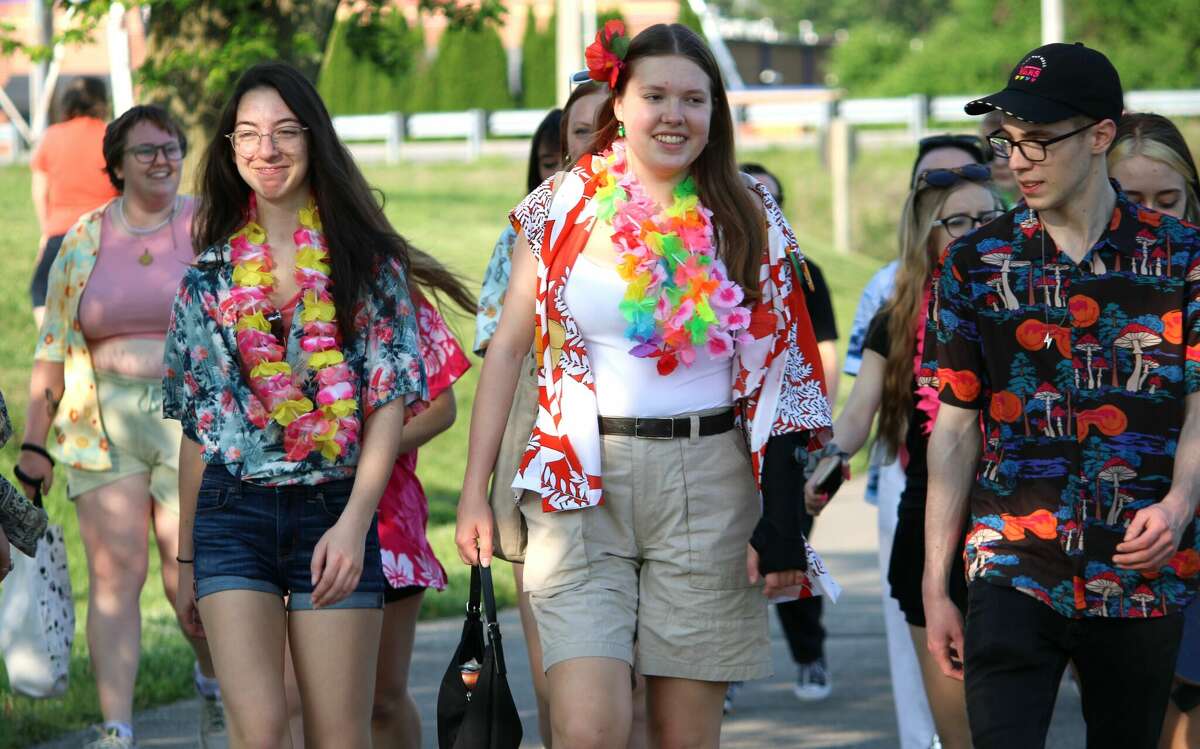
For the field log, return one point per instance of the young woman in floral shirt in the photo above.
(668, 358)
(290, 362)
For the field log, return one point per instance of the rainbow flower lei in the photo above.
(330, 426)
(679, 296)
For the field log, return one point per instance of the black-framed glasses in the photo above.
(951, 177)
(958, 224)
(1032, 150)
(146, 153)
(247, 142)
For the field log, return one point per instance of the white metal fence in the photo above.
(773, 110)
(914, 113)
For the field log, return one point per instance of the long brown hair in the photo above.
(434, 279)
(737, 213)
(358, 233)
(1156, 137)
(916, 261)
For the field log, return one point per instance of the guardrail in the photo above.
(769, 110)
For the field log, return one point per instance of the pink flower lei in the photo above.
(679, 296)
(330, 426)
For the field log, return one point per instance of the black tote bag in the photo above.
(485, 716)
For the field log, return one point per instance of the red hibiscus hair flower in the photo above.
(606, 56)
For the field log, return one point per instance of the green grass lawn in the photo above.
(454, 212)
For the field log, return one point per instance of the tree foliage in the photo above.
(688, 17)
(379, 74)
(471, 71)
(539, 62)
(195, 49)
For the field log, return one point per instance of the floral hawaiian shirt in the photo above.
(1080, 372)
(778, 386)
(408, 559)
(205, 387)
(491, 295)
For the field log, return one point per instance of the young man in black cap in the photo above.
(1049, 322)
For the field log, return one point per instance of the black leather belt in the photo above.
(666, 429)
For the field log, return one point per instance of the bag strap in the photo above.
(493, 624)
(473, 596)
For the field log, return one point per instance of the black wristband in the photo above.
(25, 478)
(35, 448)
(186, 561)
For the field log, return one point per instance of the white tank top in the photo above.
(625, 384)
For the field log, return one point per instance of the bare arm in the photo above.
(954, 449)
(829, 363)
(506, 354)
(40, 190)
(191, 469)
(45, 391)
(337, 561)
(1154, 534)
(429, 423)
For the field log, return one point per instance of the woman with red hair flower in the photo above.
(662, 290)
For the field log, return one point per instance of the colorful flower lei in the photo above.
(330, 426)
(679, 295)
(606, 55)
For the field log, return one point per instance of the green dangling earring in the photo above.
(620, 129)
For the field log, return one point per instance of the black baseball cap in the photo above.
(1056, 82)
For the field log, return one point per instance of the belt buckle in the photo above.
(637, 430)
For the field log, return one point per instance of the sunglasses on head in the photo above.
(977, 147)
(951, 177)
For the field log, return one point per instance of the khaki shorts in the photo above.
(660, 567)
(140, 440)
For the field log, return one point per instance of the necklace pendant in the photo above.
(145, 258)
(1048, 340)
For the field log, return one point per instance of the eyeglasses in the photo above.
(247, 142)
(958, 224)
(951, 177)
(1032, 150)
(146, 153)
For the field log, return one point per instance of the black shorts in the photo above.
(907, 565)
(41, 274)
(391, 595)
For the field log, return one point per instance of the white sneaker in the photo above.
(813, 682)
(212, 724)
(109, 739)
(730, 692)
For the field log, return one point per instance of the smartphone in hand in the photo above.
(829, 477)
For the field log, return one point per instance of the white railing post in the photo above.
(395, 137)
(476, 132)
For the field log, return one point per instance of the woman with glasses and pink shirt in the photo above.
(97, 377)
(944, 204)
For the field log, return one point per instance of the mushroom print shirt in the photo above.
(1080, 372)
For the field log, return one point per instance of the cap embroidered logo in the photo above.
(1030, 69)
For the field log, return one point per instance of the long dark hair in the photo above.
(548, 133)
(434, 279)
(358, 233)
(737, 213)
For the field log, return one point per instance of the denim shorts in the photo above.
(256, 537)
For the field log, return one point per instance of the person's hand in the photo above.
(815, 500)
(473, 530)
(35, 466)
(185, 603)
(944, 634)
(337, 561)
(775, 583)
(5, 556)
(1153, 536)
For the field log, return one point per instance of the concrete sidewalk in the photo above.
(859, 713)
